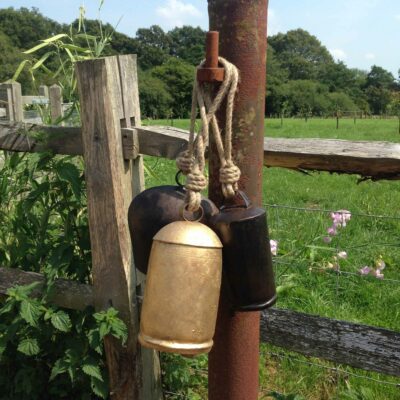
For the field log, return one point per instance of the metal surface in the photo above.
(233, 362)
(247, 260)
(153, 209)
(183, 285)
(211, 72)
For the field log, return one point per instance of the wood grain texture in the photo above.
(106, 104)
(56, 102)
(65, 293)
(375, 160)
(360, 346)
(356, 345)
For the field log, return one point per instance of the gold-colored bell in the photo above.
(182, 290)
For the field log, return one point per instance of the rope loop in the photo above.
(229, 176)
(192, 161)
(185, 162)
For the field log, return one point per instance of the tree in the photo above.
(155, 101)
(187, 43)
(178, 77)
(300, 53)
(306, 97)
(380, 78)
(153, 46)
(26, 27)
(379, 85)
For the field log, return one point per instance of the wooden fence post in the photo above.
(107, 101)
(56, 102)
(12, 96)
(44, 91)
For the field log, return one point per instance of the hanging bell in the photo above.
(247, 260)
(153, 209)
(181, 296)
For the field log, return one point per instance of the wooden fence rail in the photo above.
(375, 160)
(356, 345)
(13, 102)
(112, 141)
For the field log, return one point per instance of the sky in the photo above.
(360, 33)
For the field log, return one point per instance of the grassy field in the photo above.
(305, 264)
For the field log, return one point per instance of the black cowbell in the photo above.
(247, 260)
(153, 209)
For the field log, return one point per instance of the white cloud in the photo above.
(273, 23)
(176, 12)
(370, 56)
(338, 54)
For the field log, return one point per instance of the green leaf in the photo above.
(92, 370)
(19, 69)
(99, 388)
(30, 311)
(70, 173)
(40, 62)
(3, 345)
(61, 321)
(55, 38)
(59, 367)
(75, 48)
(29, 347)
(36, 48)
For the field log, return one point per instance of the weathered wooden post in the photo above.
(233, 362)
(56, 102)
(44, 91)
(109, 99)
(12, 97)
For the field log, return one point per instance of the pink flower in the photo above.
(365, 270)
(332, 230)
(327, 239)
(341, 217)
(274, 246)
(377, 273)
(342, 254)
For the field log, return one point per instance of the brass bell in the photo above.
(153, 209)
(247, 263)
(181, 296)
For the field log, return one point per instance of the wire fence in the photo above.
(282, 230)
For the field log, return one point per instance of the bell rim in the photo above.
(174, 346)
(258, 306)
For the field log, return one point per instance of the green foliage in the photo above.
(184, 377)
(46, 352)
(178, 77)
(155, 99)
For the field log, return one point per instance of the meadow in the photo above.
(310, 275)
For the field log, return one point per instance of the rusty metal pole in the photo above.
(233, 362)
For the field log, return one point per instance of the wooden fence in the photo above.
(111, 140)
(12, 102)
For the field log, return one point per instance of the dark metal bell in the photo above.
(153, 209)
(247, 260)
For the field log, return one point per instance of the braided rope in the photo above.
(192, 161)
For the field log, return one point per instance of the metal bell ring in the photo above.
(247, 260)
(181, 296)
(153, 209)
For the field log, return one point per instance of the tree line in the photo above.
(303, 79)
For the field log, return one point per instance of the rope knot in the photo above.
(185, 162)
(195, 183)
(229, 176)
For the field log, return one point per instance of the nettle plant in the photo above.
(47, 352)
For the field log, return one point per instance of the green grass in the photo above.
(305, 281)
